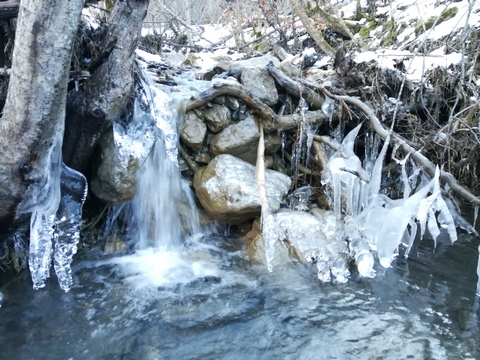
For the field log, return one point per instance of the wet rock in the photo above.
(289, 69)
(227, 190)
(193, 131)
(217, 117)
(120, 157)
(203, 158)
(256, 247)
(220, 100)
(258, 62)
(114, 245)
(174, 59)
(232, 102)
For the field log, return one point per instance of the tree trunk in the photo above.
(91, 110)
(308, 24)
(34, 112)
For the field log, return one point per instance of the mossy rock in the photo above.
(444, 16)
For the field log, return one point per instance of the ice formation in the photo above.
(478, 273)
(56, 231)
(385, 223)
(55, 201)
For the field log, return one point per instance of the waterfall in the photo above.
(163, 207)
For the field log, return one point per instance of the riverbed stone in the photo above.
(217, 117)
(193, 131)
(227, 190)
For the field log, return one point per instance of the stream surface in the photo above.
(206, 301)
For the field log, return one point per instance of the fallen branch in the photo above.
(257, 39)
(296, 89)
(272, 122)
(9, 9)
(191, 164)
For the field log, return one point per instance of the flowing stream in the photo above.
(193, 294)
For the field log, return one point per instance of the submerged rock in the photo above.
(227, 189)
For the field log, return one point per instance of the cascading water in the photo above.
(153, 214)
(163, 211)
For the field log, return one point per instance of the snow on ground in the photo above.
(406, 13)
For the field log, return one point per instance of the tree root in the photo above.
(271, 121)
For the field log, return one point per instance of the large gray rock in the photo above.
(255, 77)
(260, 84)
(240, 140)
(217, 117)
(193, 131)
(227, 190)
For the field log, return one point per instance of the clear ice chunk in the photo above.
(359, 248)
(68, 222)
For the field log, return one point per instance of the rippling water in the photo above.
(207, 301)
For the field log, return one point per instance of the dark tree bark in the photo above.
(34, 112)
(91, 110)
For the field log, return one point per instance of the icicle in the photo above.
(396, 221)
(459, 220)
(376, 177)
(298, 199)
(433, 226)
(359, 249)
(328, 108)
(475, 217)
(445, 218)
(413, 234)
(478, 273)
(69, 219)
(40, 258)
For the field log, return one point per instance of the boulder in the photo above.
(217, 117)
(122, 152)
(193, 131)
(256, 251)
(227, 190)
(254, 76)
(241, 140)
(260, 84)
